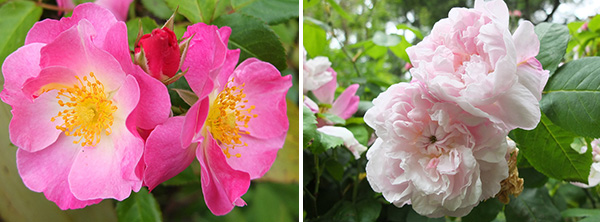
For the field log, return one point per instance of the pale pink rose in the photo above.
(471, 59)
(345, 105)
(317, 72)
(235, 128)
(77, 102)
(432, 154)
(118, 7)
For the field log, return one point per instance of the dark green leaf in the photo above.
(186, 176)
(309, 126)
(315, 39)
(17, 18)
(572, 97)
(413, 216)
(360, 133)
(272, 12)
(554, 39)
(158, 8)
(335, 169)
(366, 210)
(327, 142)
(140, 206)
(254, 38)
(332, 117)
(548, 143)
(580, 212)
(485, 211)
(534, 204)
(400, 49)
(532, 178)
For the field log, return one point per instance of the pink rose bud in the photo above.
(158, 54)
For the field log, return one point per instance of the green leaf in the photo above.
(140, 206)
(186, 177)
(400, 49)
(410, 28)
(310, 3)
(133, 28)
(360, 132)
(532, 205)
(531, 177)
(315, 39)
(572, 97)
(204, 11)
(158, 7)
(548, 143)
(339, 10)
(332, 117)
(254, 38)
(485, 211)
(580, 212)
(335, 169)
(17, 18)
(272, 12)
(554, 39)
(327, 142)
(309, 126)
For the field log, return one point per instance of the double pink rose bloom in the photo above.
(442, 138)
(91, 125)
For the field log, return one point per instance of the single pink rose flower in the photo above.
(432, 154)
(235, 129)
(161, 51)
(317, 72)
(471, 59)
(118, 7)
(76, 97)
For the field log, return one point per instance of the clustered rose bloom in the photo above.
(344, 106)
(77, 102)
(234, 129)
(442, 137)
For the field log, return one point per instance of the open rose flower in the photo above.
(471, 59)
(432, 154)
(77, 102)
(234, 129)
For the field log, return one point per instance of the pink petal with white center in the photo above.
(326, 93)
(266, 89)
(108, 169)
(222, 185)
(347, 103)
(194, 121)
(31, 128)
(47, 30)
(47, 171)
(17, 68)
(164, 156)
(83, 56)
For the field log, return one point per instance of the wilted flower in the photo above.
(77, 103)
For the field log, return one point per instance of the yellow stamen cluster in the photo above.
(227, 113)
(87, 111)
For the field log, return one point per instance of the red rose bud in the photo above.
(158, 54)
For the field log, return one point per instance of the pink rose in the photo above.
(161, 51)
(432, 154)
(77, 102)
(235, 129)
(471, 59)
(345, 105)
